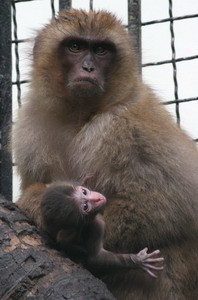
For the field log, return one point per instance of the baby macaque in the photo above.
(72, 214)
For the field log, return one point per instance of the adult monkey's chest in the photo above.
(87, 148)
(91, 135)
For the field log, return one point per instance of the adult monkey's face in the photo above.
(88, 63)
(84, 55)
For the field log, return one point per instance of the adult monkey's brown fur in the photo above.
(144, 164)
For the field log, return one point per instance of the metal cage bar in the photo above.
(174, 65)
(134, 26)
(64, 4)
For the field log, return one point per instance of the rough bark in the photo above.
(30, 270)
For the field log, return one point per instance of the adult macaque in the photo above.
(88, 111)
(71, 215)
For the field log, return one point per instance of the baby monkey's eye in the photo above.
(85, 206)
(84, 191)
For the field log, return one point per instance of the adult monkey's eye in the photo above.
(85, 206)
(100, 50)
(75, 47)
(84, 191)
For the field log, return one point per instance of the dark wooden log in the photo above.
(31, 270)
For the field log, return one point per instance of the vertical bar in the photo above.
(173, 62)
(134, 25)
(64, 4)
(91, 4)
(52, 8)
(5, 98)
(16, 49)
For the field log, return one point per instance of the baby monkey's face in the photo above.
(89, 201)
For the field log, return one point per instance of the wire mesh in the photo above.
(173, 61)
(18, 82)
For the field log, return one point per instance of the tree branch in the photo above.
(29, 270)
